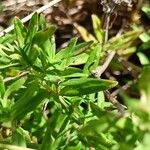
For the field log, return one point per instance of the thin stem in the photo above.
(27, 18)
(113, 100)
(102, 68)
(16, 77)
(107, 28)
(98, 72)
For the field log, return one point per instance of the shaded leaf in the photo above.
(13, 88)
(22, 108)
(92, 133)
(68, 51)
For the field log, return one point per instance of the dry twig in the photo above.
(27, 18)
(16, 77)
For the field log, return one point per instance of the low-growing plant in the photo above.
(42, 90)
(50, 99)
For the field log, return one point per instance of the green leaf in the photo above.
(97, 111)
(2, 86)
(145, 46)
(83, 86)
(146, 10)
(143, 58)
(90, 61)
(77, 147)
(70, 70)
(8, 38)
(33, 28)
(92, 133)
(101, 99)
(18, 139)
(48, 140)
(84, 33)
(94, 58)
(82, 47)
(46, 42)
(60, 75)
(79, 59)
(49, 48)
(97, 26)
(8, 65)
(77, 53)
(145, 37)
(42, 36)
(143, 84)
(42, 22)
(29, 93)
(13, 88)
(122, 42)
(68, 51)
(20, 31)
(33, 53)
(23, 107)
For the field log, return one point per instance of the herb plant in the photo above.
(50, 98)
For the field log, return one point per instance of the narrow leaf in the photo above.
(14, 87)
(19, 112)
(2, 86)
(20, 31)
(143, 84)
(33, 28)
(85, 34)
(83, 86)
(42, 36)
(99, 33)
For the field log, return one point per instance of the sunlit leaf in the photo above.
(42, 36)
(97, 26)
(20, 31)
(18, 139)
(2, 86)
(84, 33)
(82, 86)
(122, 42)
(143, 58)
(32, 28)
